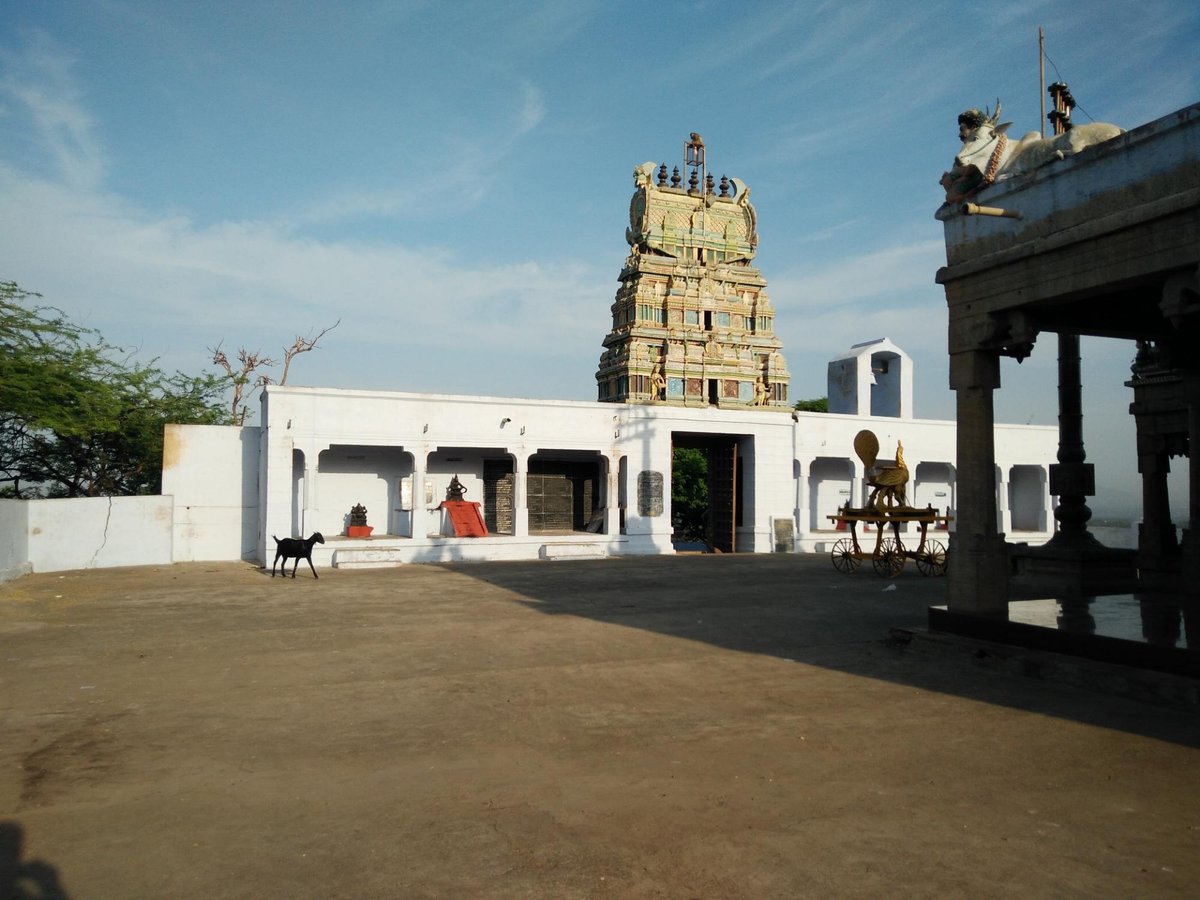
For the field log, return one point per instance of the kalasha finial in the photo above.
(693, 158)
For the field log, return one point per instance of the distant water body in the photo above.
(1118, 537)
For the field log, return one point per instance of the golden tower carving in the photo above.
(692, 324)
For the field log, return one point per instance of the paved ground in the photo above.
(703, 726)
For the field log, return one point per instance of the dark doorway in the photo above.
(498, 495)
(716, 508)
(564, 493)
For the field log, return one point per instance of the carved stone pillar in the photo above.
(1190, 567)
(978, 572)
(1073, 564)
(1156, 534)
(1072, 480)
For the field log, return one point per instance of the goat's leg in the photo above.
(311, 566)
(294, 567)
(275, 560)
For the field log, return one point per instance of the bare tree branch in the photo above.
(240, 378)
(302, 345)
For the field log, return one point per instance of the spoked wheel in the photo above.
(845, 560)
(889, 560)
(933, 560)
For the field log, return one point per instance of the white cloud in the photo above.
(174, 288)
(171, 287)
(883, 273)
(452, 179)
(533, 108)
(37, 81)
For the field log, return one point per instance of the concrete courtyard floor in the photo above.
(698, 726)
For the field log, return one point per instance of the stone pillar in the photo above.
(978, 571)
(612, 496)
(803, 520)
(310, 502)
(1003, 506)
(1156, 535)
(422, 519)
(858, 494)
(1072, 480)
(520, 494)
(1190, 564)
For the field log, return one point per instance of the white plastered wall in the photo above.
(798, 467)
(211, 473)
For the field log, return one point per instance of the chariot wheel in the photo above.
(845, 560)
(889, 560)
(933, 560)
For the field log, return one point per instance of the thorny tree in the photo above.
(78, 416)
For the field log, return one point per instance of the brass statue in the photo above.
(889, 483)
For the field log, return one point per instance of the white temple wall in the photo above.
(14, 539)
(99, 532)
(211, 473)
(352, 474)
(319, 452)
(825, 446)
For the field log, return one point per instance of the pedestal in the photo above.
(465, 517)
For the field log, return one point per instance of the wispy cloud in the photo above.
(457, 174)
(533, 108)
(38, 82)
(241, 280)
(883, 274)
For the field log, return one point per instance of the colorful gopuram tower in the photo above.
(692, 324)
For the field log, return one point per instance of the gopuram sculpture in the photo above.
(692, 324)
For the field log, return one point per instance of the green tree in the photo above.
(689, 494)
(78, 417)
(817, 404)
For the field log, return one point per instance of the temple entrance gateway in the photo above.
(715, 521)
(692, 323)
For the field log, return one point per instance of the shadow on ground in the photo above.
(797, 607)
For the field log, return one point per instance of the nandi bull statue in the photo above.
(988, 155)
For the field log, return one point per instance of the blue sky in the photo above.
(447, 175)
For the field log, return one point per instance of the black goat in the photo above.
(294, 547)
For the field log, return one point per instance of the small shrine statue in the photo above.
(658, 384)
(455, 491)
(358, 514)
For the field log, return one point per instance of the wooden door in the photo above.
(722, 495)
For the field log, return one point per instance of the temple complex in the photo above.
(692, 324)
(691, 362)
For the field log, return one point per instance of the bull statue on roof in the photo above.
(988, 155)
